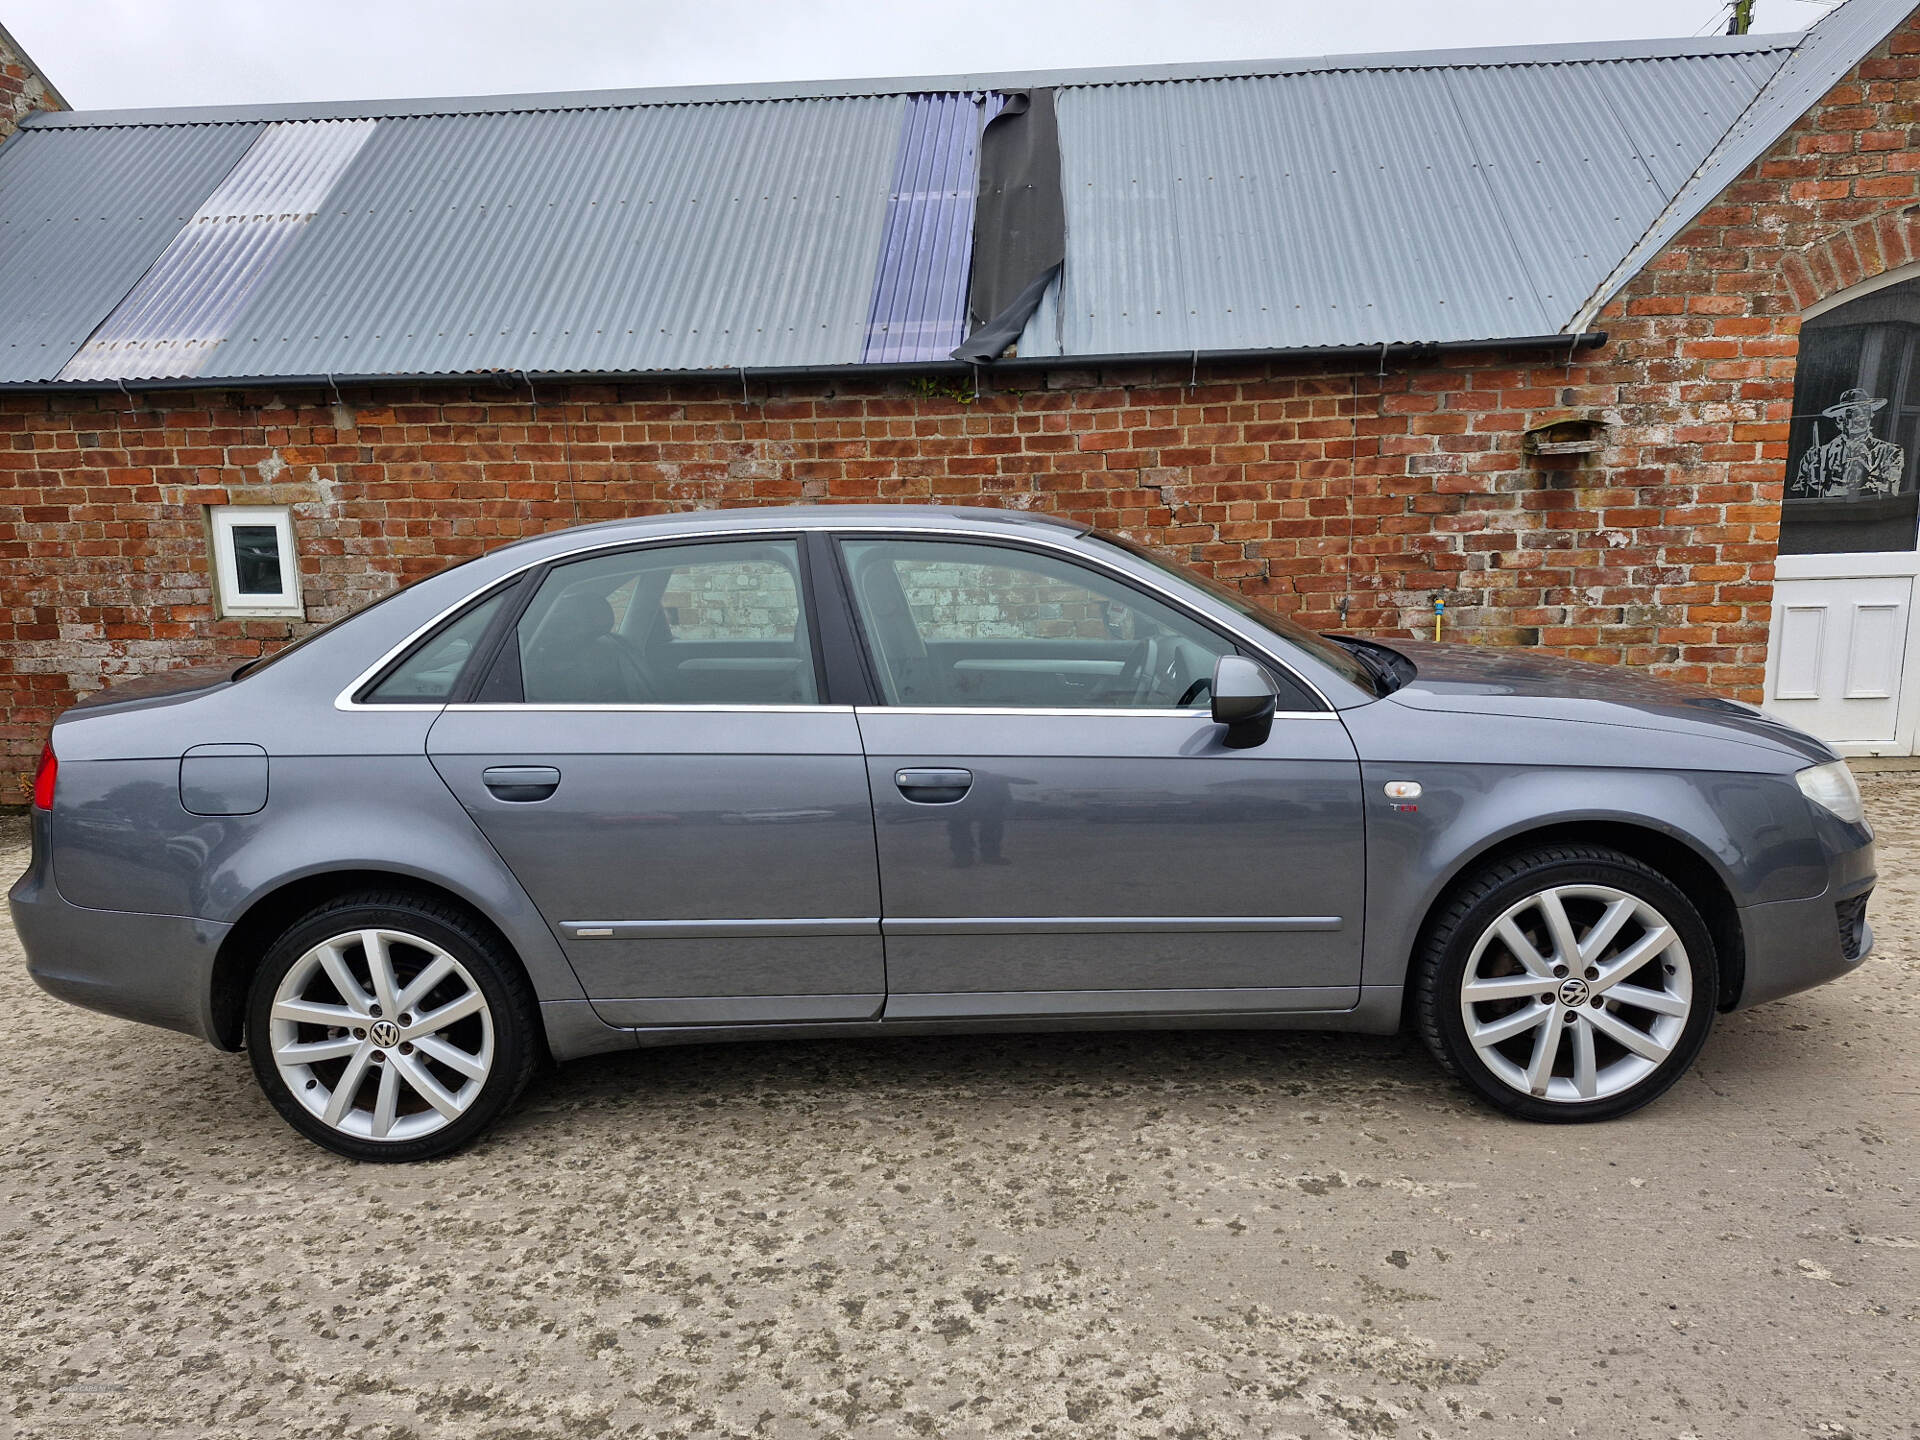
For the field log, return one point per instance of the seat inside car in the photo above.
(898, 648)
(576, 658)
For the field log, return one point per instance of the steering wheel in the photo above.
(1204, 685)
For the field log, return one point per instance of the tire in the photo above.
(381, 1074)
(1620, 989)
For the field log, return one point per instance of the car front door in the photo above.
(649, 754)
(1061, 828)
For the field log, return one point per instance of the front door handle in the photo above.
(933, 787)
(520, 783)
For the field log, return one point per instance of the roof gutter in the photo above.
(1013, 364)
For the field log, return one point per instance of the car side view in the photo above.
(848, 771)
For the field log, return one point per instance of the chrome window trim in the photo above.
(555, 706)
(1194, 714)
(978, 531)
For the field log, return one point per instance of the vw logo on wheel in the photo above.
(386, 1034)
(1573, 991)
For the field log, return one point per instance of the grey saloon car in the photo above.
(866, 771)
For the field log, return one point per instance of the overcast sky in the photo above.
(114, 53)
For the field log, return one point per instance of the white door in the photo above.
(1836, 659)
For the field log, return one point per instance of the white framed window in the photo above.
(255, 568)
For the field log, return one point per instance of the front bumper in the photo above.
(156, 969)
(1793, 945)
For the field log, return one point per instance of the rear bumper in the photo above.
(1793, 945)
(156, 969)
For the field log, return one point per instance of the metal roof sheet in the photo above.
(1841, 40)
(1365, 207)
(1331, 202)
(172, 322)
(82, 216)
(388, 108)
(586, 241)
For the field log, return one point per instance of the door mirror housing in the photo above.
(1244, 700)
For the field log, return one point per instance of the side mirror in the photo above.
(1244, 699)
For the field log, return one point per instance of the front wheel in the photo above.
(1567, 983)
(390, 1027)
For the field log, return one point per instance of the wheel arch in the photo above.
(1678, 858)
(269, 914)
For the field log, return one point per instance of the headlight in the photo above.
(1832, 788)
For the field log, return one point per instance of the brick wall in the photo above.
(22, 87)
(1309, 486)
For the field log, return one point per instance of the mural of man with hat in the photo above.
(1853, 463)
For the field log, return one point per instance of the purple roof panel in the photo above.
(919, 305)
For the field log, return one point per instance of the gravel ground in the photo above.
(1120, 1235)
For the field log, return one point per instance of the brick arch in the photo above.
(1863, 251)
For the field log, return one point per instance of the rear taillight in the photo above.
(44, 777)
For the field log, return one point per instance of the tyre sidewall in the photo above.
(1450, 968)
(511, 1032)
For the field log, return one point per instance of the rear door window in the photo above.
(715, 623)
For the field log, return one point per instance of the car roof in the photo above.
(810, 517)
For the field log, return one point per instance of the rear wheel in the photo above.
(389, 1027)
(1567, 983)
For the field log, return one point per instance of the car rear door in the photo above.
(1108, 855)
(650, 754)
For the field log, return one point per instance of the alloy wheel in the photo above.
(381, 1035)
(1576, 993)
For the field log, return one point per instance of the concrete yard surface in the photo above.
(1161, 1234)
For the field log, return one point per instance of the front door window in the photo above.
(1854, 445)
(955, 624)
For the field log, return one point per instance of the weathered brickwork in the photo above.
(22, 87)
(1336, 492)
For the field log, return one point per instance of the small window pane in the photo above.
(256, 560)
(1853, 440)
(254, 568)
(428, 675)
(980, 625)
(704, 624)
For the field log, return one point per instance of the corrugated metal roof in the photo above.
(1366, 207)
(587, 241)
(1841, 40)
(83, 213)
(979, 81)
(1334, 202)
(171, 323)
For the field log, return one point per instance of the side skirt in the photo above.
(577, 1032)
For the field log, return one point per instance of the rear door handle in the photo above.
(520, 783)
(933, 787)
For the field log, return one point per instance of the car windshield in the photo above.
(1335, 657)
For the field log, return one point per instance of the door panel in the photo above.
(698, 866)
(1837, 658)
(1124, 853)
(652, 767)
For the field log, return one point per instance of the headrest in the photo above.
(581, 616)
